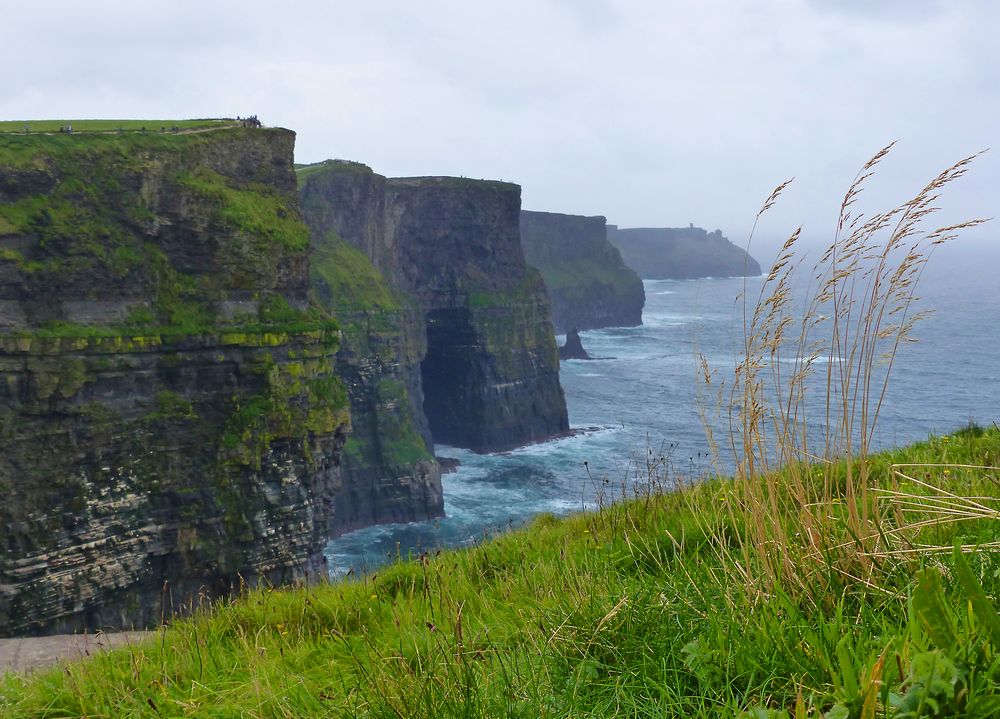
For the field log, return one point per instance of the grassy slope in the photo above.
(623, 612)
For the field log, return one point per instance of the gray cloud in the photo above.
(648, 112)
(895, 11)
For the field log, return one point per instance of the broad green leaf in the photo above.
(981, 604)
(848, 673)
(929, 606)
(839, 711)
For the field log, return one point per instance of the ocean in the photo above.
(644, 394)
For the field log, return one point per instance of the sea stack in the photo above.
(573, 349)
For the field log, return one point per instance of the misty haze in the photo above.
(542, 359)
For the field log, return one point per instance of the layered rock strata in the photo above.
(450, 249)
(389, 470)
(171, 420)
(662, 253)
(587, 282)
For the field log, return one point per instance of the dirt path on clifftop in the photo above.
(25, 654)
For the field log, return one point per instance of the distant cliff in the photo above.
(659, 253)
(451, 248)
(171, 420)
(589, 285)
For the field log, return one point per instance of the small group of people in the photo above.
(251, 121)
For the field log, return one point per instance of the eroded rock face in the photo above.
(171, 420)
(589, 285)
(491, 375)
(663, 253)
(389, 471)
(450, 248)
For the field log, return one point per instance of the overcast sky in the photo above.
(651, 112)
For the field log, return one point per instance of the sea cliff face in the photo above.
(661, 253)
(450, 248)
(171, 419)
(588, 284)
(389, 471)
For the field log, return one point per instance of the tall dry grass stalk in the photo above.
(809, 384)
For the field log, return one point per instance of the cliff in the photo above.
(451, 248)
(660, 253)
(171, 421)
(587, 282)
(389, 471)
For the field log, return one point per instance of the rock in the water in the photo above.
(573, 349)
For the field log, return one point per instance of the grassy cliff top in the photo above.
(634, 610)
(453, 182)
(19, 149)
(20, 126)
(305, 171)
(169, 228)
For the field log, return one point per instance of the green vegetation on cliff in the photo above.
(580, 275)
(258, 211)
(627, 611)
(345, 278)
(589, 285)
(304, 172)
(179, 418)
(93, 212)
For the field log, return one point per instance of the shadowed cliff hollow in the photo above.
(663, 253)
(489, 376)
(171, 421)
(589, 285)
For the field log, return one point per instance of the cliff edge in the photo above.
(171, 421)
(389, 471)
(587, 282)
(489, 376)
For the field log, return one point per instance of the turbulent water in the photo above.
(645, 393)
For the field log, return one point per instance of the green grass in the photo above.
(345, 278)
(261, 213)
(305, 171)
(89, 226)
(627, 611)
(582, 274)
(41, 126)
